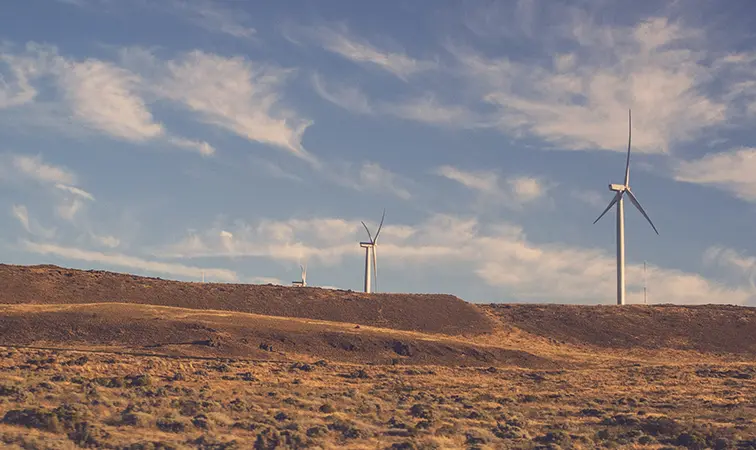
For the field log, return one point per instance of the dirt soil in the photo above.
(700, 328)
(431, 313)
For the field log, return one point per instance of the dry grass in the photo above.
(63, 399)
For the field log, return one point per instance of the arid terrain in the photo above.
(103, 360)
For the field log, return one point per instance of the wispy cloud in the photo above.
(348, 97)
(74, 190)
(336, 38)
(369, 176)
(425, 108)
(238, 95)
(575, 88)
(375, 177)
(98, 95)
(731, 171)
(58, 180)
(34, 168)
(499, 254)
(31, 226)
(22, 214)
(131, 262)
(513, 191)
(211, 16)
(103, 96)
(579, 99)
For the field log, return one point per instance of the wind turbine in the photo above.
(370, 247)
(621, 190)
(303, 281)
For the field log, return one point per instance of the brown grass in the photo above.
(121, 401)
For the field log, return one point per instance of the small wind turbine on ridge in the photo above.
(621, 190)
(303, 281)
(371, 259)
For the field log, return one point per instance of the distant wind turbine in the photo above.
(303, 281)
(621, 190)
(370, 248)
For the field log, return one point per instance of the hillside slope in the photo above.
(701, 328)
(190, 332)
(418, 312)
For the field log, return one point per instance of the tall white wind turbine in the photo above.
(371, 259)
(621, 190)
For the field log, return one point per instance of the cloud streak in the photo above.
(336, 38)
(514, 191)
(130, 262)
(731, 171)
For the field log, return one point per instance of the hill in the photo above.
(699, 328)
(429, 313)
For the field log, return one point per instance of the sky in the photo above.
(242, 139)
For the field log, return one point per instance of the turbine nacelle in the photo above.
(617, 187)
(366, 244)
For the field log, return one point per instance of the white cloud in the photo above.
(577, 83)
(428, 109)
(738, 264)
(15, 88)
(211, 16)
(105, 240)
(731, 171)
(238, 95)
(130, 262)
(103, 96)
(347, 97)
(514, 191)
(22, 214)
(369, 176)
(74, 190)
(500, 255)
(68, 209)
(425, 108)
(589, 197)
(336, 38)
(580, 100)
(202, 147)
(33, 167)
(375, 177)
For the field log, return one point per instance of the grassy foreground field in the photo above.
(66, 400)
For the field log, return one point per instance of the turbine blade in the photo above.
(629, 137)
(614, 200)
(375, 270)
(380, 225)
(368, 231)
(640, 208)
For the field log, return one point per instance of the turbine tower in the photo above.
(621, 190)
(371, 260)
(303, 281)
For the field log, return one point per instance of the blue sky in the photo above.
(244, 138)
